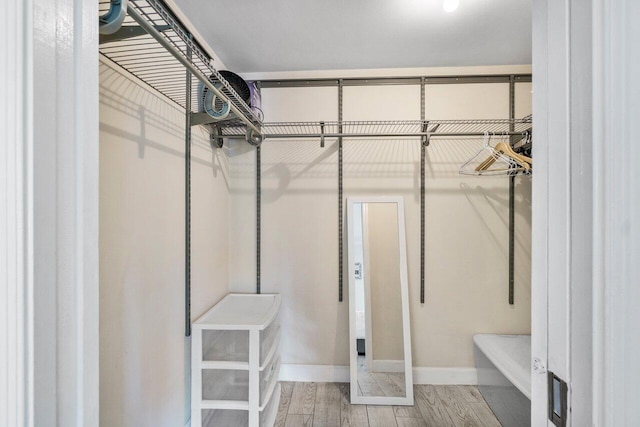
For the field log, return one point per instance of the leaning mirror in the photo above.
(380, 337)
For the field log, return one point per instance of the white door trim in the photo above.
(601, 39)
(562, 204)
(65, 212)
(16, 208)
(616, 228)
(540, 219)
(595, 345)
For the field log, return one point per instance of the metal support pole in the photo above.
(512, 116)
(187, 202)
(340, 194)
(258, 215)
(423, 152)
(511, 237)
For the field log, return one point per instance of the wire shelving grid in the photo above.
(388, 129)
(144, 57)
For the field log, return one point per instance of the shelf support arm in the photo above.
(194, 70)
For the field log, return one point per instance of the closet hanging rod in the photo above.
(388, 129)
(383, 135)
(149, 28)
(387, 81)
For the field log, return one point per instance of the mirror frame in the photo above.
(404, 289)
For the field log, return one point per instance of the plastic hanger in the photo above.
(492, 161)
(523, 161)
(505, 148)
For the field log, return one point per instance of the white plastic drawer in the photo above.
(225, 384)
(227, 346)
(270, 411)
(224, 417)
(268, 379)
(268, 338)
(238, 418)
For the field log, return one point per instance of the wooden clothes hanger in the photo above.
(505, 149)
(494, 161)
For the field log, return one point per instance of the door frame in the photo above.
(586, 237)
(49, 216)
(562, 204)
(16, 219)
(616, 209)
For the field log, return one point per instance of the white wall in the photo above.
(300, 204)
(466, 222)
(144, 355)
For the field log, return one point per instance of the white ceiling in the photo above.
(290, 35)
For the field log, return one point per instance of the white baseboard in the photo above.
(314, 373)
(340, 374)
(445, 376)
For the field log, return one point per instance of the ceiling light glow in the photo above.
(450, 5)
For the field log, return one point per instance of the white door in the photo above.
(562, 206)
(586, 208)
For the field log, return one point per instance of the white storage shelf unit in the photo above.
(235, 361)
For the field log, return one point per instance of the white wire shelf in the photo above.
(154, 46)
(387, 129)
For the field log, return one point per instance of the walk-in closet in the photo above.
(381, 213)
(389, 214)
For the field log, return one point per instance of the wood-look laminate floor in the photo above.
(327, 405)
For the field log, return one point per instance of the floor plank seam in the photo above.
(328, 404)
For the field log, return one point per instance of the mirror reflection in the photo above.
(378, 300)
